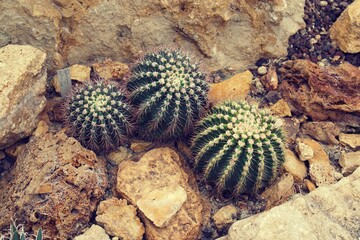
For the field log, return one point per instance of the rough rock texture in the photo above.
(224, 216)
(224, 33)
(232, 89)
(55, 183)
(349, 162)
(110, 70)
(279, 192)
(157, 169)
(329, 212)
(119, 219)
(346, 30)
(281, 109)
(323, 93)
(95, 232)
(22, 88)
(353, 140)
(325, 132)
(294, 166)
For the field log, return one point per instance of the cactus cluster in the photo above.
(169, 93)
(238, 147)
(18, 233)
(99, 116)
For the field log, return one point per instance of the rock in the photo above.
(291, 129)
(139, 146)
(161, 205)
(325, 132)
(345, 31)
(80, 73)
(158, 169)
(110, 70)
(225, 216)
(22, 89)
(309, 185)
(349, 162)
(95, 232)
(262, 70)
(352, 140)
(2, 154)
(14, 150)
(323, 3)
(234, 88)
(121, 154)
(319, 154)
(281, 109)
(322, 93)
(208, 29)
(41, 129)
(304, 151)
(119, 219)
(329, 212)
(279, 192)
(55, 183)
(270, 80)
(294, 166)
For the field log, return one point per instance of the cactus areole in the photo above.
(98, 116)
(238, 147)
(169, 93)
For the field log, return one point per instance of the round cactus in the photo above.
(169, 93)
(238, 147)
(98, 116)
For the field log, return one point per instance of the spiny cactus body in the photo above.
(169, 93)
(238, 147)
(99, 116)
(18, 233)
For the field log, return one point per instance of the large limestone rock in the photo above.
(330, 212)
(157, 170)
(225, 33)
(55, 184)
(346, 29)
(323, 93)
(22, 88)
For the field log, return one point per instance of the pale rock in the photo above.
(233, 89)
(294, 166)
(305, 151)
(309, 185)
(55, 82)
(119, 155)
(160, 168)
(262, 70)
(345, 31)
(270, 80)
(22, 89)
(138, 146)
(349, 162)
(321, 173)
(353, 140)
(95, 232)
(119, 219)
(323, 3)
(325, 132)
(329, 212)
(41, 129)
(55, 184)
(161, 205)
(280, 192)
(110, 70)
(225, 216)
(80, 73)
(281, 109)
(319, 154)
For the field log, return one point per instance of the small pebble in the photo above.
(313, 41)
(262, 70)
(323, 3)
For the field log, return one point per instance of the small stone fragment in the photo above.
(14, 150)
(44, 188)
(110, 70)
(262, 70)
(281, 109)
(119, 219)
(294, 166)
(309, 185)
(139, 146)
(325, 132)
(161, 205)
(119, 155)
(319, 154)
(305, 151)
(224, 216)
(95, 232)
(353, 140)
(321, 173)
(234, 88)
(279, 192)
(323, 3)
(42, 128)
(349, 162)
(80, 73)
(270, 80)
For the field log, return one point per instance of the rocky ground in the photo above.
(49, 180)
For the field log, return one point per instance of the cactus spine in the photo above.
(238, 147)
(169, 93)
(99, 116)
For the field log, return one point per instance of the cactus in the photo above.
(238, 147)
(169, 93)
(18, 233)
(99, 116)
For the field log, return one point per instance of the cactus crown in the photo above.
(169, 93)
(99, 116)
(238, 147)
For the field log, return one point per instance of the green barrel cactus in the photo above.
(169, 93)
(99, 116)
(238, 147)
